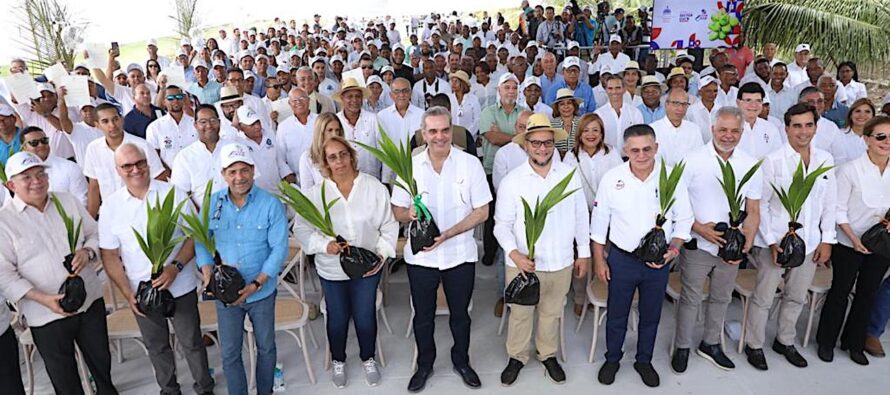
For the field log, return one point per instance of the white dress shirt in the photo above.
(270, 167)
(702, 176)
(726, 99)
(422, 88)
(170, 137)
(849, 146)
(675, 142)
(615, 125)
(399, 128)
(99, 163)
(819, 211)
(796, 74)
(626, 209)
(450, 195)
(567, 222)
(781, 101)
(704, 118)
(121, 215)
(365, 131)
(58, 144)
(863, 196)
(311, 173)
(760, 140)
(364, 219)
(827, 135)
(292, 139)
(615, 63)
(80, 137)
(854, 91)
(466, 114)
(592, 168)
(195, 165)
(65, 176)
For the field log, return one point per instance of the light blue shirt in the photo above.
(252, 238)
(209, 94)
(546, 82)
(6, 150)
(650, 115)
(583, 92)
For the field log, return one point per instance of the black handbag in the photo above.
(877, 238)
(525, 290)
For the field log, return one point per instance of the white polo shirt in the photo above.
(270, 167)
(450, 196)
(293, 138)
(170, 137)
(422, 88)
(863, 196)
(760, 140)
(66, 176)
(121, 215)
(365, 131)
(59, 146)
(399, 128)
(80, 137)
(99, 163)
(626, 208)
(702, 176)
(727, 99)
(796, 74)
(566, 223)
(675, 142)
(195, 165)
(615, 124)
(819, 210)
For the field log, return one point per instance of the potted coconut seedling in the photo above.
(422, 232)
(158, 243)
(525, 289)
(225, 281)
(73, 288)
(654, 245)
(355, 261)
(793, 247)
(735, 240)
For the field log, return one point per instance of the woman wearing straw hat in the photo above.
(465, 108)
(632, 77)
(565, 116)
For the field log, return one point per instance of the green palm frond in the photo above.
(197, 225)
(838, 30)
(731, 190)
(536, 218)
(396, 157)
(72, 230)
(667, 185)
(796, 195)
(158, 241)
(304, 207)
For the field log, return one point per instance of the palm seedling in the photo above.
(158, 243)
(73, 288)
(653, 246)
(792, 246)
(735, 239)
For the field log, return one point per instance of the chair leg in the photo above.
(583, 314)
(810, 313)
(745, 303)
(327, 348)
(385, 319)
(414, 359)
(380, 355)
(82, 371)
(503, 319)
(29, 367)
(562, 335)
(596, 327)
(674, 337)
(251, 348)
(410, 320)
(120, 350)
(306, 357)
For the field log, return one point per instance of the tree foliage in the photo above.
(186, 17)
(48, 32)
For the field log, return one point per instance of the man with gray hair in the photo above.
(700, 260)
(294, 134)
(834, 110)
(308, 82)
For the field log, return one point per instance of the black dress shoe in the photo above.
(469, 376)
(647, 373)
(715, 354)
(756, 358)
(826, 354)
(607, 372)
(554, 371)
(790, 354)
(859, 357)
(511, 372)
(418, 380)
(680, 360)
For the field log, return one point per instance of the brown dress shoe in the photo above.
(499, 308)
(579, 308)
(873, 346)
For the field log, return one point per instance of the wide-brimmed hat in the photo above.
(632, 66)
(539, 122)
(461, 75)
(650, 80)
(564, 94)
(676, 71)
(228, 94)
(349, 84)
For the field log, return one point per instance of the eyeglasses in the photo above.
(342, 155)
(210, 121)
(179, 96)
(678, 103)
(38, 142)
(879, 136)
(403, 91)
(140, 164)
(539, 143)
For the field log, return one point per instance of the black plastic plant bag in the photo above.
(525, 290)
(152, 300)
(73, 289)
(225, 281)
(356, 261)
(422, 233)
(877, 238)
(654, 244)
(735, 239)
(794, 250)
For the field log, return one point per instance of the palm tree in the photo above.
(838, 30)
(48, 32)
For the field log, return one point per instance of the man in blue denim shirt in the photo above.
(250, 229)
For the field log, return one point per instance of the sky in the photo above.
(128, 20)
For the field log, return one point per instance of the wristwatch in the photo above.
(257, 284)
(179, 265)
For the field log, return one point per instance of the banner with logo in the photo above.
(696, 23)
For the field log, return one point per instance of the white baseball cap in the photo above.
(243, 54)
(234, 153)
(573, 44)
(6, 110)
(507, 77)
(706, 80)
(571, 61)
(616, 38)
(801, 48)
(219, 63)
(529, 81)
(247, 116)
(201, 63)
(45, 86)
(22, 161)
(374, 80)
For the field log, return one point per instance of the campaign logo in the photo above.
(168, 143)
(619, 185)
(703, 16)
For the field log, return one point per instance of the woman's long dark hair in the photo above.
(852, 66)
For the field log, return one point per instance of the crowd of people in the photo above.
(498, 114)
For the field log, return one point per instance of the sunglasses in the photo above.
(878, 137)
(45, 141)
(367, 67)
(179, 96)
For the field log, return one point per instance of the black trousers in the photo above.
(849, 267)
(458, 285)
(10, 372)
(55, 342)
(489, 243)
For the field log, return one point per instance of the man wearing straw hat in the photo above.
(359, 125)
(553, 261)
(651, 91)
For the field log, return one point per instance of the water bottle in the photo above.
(278, 384)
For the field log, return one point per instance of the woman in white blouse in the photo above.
(593, 158)
(850, 144)
(863, 200)
(465, 108)
(327, 125)
(848, 76)
(361, 215)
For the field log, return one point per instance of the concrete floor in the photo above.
(134, 376)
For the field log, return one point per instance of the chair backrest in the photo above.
(297, 258)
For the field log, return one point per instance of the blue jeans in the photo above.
(355, 299)
(880, 312)
(231, 338)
